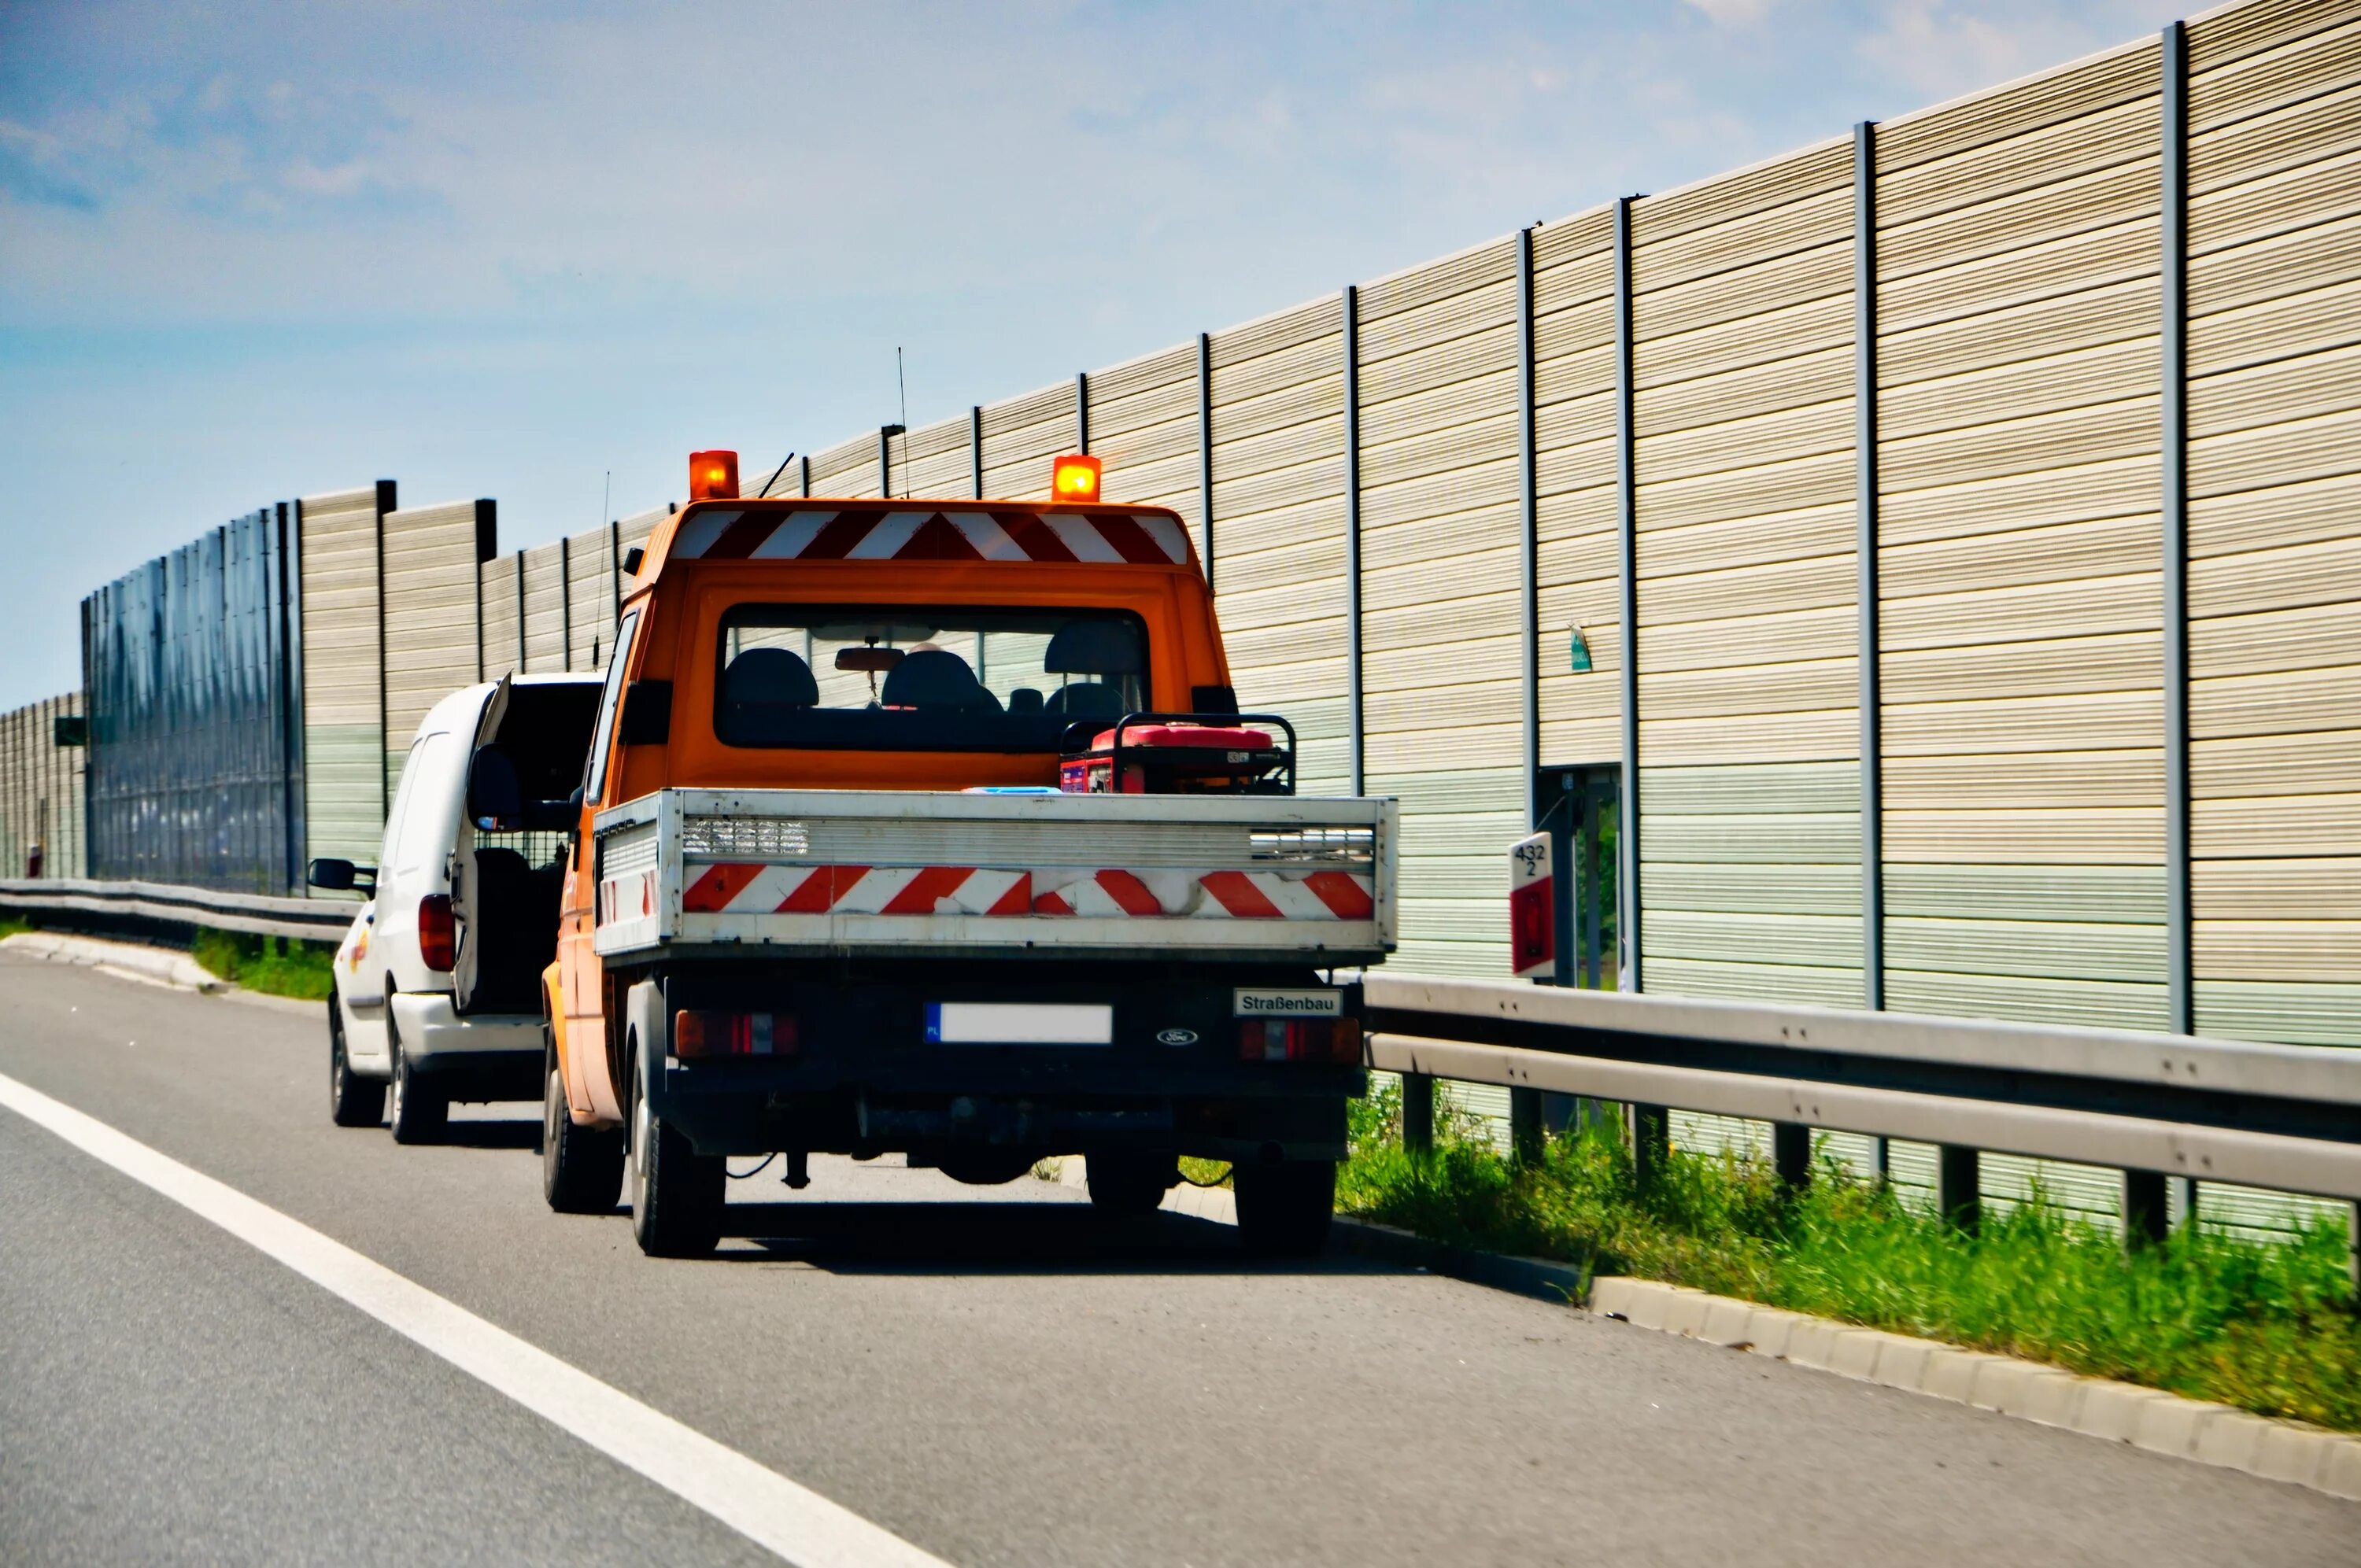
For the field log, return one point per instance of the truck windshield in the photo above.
(919, 678)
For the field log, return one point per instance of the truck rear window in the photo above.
(912, 679)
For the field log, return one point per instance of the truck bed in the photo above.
(700, 872)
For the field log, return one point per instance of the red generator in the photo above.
(1181, 753)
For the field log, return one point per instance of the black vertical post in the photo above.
(521, 643)
(290, 675)
(2147, 1214)
(803, 475)
(885, 461)
(564, 604)
(1627, 541)
(385, 503)
(2180, 983)
(1527, 1132)
(1418, 1112)
(1082, 411)
(1871, 780)
(1959, 1186)
(1528, 545)
(1649, 1128)
(1791, 1153)
(2173, 309)
(1205, 447)
(975, 448)
(1349, 304)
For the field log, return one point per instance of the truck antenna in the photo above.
(902, 385)
(774, 475)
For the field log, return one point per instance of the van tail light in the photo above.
(438, 934)
(699, 1035)
(1336, 1041)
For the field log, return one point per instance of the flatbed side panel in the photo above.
(817, 872)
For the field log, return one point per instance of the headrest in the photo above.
(931, 677)
(773, 675)
(1093, 648)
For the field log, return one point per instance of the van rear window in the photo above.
(915, 678)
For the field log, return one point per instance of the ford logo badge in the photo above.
(1176, 1036)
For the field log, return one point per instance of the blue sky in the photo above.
(249, 252)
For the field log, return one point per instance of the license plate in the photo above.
(1019, 1024)
(1288, 1003)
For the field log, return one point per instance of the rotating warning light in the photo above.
(1074, 478)
(713, 476)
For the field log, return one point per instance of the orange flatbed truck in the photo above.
(931, 826)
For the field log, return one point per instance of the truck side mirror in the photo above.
(1214, 699)
(633, 558)
(495, 795)
(647, 712)
(340, 876)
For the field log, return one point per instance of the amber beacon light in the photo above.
(1074, 478)
(713, 476)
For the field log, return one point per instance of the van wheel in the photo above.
(675, 1192)
(353, 1101)
(581, 1168)
(1284, 1210)
(417, 1112)
(1128, 1186)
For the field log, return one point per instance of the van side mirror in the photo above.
(340, 876)
(495, 795)
(647, 712)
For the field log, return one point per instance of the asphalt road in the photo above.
(993, 1375)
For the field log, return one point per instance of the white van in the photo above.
(438, 982)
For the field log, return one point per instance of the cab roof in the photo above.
(868, 529)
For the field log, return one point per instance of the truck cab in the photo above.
(931, 826)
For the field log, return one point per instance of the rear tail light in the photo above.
(438, 936)
(697, 1034)
(1334, 1040)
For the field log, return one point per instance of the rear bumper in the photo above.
(863, 1078)
(495, 1057)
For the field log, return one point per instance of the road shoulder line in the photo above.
(774, 1512)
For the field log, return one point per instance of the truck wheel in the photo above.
(353, 1101)
(581, 1168)
(1284, 1210)
(1128, 1187)
(417, 1112)
(675, 1192)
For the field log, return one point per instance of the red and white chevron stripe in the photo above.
(1111, 538)
(735, 887)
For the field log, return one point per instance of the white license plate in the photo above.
(1019, 1024)
(1288, 1003)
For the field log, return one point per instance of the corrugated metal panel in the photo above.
(497, 579)
(1144, 427)
(589, 600)
(846, 470)
(1021, 436)
(2275, 578)
(344, 722)
(1573, 384)
(2022, 675)
(544, 610)
(430, 581)
(1279, 517)
(935, 461)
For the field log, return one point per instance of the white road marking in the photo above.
(793, 1521)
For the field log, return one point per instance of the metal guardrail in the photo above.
(2287, 1118)
(304, 919)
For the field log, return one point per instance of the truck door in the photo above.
(581, 974)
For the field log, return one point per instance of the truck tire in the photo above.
(675, 1192)
(353, 1101)
(1128, 1187)
(581, 1168)
(1284, 1210)
(417, 1112)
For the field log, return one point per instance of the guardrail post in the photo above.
(1790, 1154)
(1417, 1112)
(1958, 1193)
(2147, 1214)
(1526, 1134)
(1650, 1128)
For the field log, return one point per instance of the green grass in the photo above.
(2269, 1327)
(11, 926)
(276, 965)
